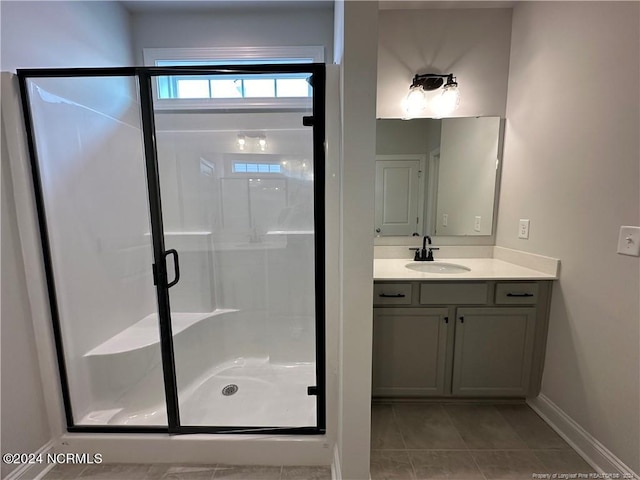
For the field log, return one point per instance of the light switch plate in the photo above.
(445, 219)
(523, 229)
(629, 241)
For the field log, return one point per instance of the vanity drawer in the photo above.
(516, 293)
(467, 293)
(392, 294)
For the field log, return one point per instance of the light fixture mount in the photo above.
(433, 81)
(416, 100)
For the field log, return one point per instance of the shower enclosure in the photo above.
(183, 244)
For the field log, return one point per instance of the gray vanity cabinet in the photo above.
(409, 351)
(461, 339)
(493, 350)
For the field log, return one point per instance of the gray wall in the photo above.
(467, 175)
(571, 166)
(64, 34)
(235, 28)
(358, 121)
(24, 423)
(395, 137)
(40, 34)
(473, 44)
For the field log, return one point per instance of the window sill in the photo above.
(234, 104)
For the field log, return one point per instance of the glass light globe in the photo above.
(415, 101)
(448, 100)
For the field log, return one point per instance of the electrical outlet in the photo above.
(476, 224)
(445, 219)
(629, 241)
(523, 229)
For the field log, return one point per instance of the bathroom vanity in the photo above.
(477, 332)
(472, 323)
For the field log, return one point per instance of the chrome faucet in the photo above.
(424, 255)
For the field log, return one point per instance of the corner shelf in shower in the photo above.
(147, 332)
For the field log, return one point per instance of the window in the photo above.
(239, 167)
(235, 86)
(276, 90)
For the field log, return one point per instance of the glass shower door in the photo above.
(240, 216)
(91, 190)
(183, 247)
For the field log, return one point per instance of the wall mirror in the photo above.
(437, 176)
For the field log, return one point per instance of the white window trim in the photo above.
(152, 55)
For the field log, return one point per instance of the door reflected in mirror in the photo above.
(436, 177)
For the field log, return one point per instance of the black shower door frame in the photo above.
(145, 77)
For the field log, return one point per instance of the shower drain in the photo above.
(230, 389)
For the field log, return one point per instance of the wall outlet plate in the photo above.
(445, 219)
(476, 224)
(523, 229)
(629, 241)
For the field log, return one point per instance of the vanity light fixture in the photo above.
(242, 142)
(262, 143)
(256, 140)
(448, 100)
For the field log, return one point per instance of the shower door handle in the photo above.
(176, 266)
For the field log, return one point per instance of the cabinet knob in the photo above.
(446, 319)
(461, 319)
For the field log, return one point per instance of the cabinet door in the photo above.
(409, 351)
(493, 350)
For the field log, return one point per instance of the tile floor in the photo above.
(465, 442)
(408, 442)
(185, 472)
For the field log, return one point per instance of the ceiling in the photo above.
(186, 6)
(149, 6)
(435, 4)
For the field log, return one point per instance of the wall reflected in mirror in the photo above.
(437, 177)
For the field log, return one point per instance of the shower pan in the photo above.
(183, 244)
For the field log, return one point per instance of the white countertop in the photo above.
(481, 269)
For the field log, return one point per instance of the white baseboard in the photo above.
(33, 471)
(588, 447)
(336, 472)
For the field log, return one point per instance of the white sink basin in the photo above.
(437, 267)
